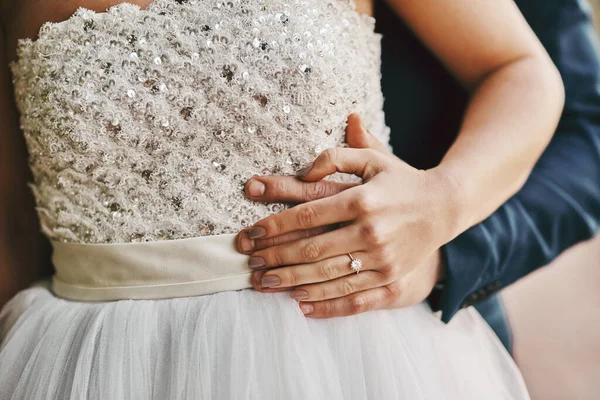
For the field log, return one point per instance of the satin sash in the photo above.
(149, 270)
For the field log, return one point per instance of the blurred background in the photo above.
(555, 317)
(596, 5)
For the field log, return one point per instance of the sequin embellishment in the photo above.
(145, 124)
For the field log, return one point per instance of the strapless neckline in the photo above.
(130, 7)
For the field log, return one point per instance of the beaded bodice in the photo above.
(145, 124)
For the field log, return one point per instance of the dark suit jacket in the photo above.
(560, 203)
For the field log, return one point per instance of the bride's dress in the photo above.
(143, 126)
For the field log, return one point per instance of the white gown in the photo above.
(142, 127)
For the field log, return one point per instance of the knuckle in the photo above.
(330, 155)
(277, 187)
(328, 270)
(390, 292)
(277, 258)
(326, 308)
(347, 287)
(371, 233)
(277, 240)
(276, 226)
(314, 191)
(311, 251)
(363, 202)
(389, 272)
(370, 170)
(387, 258)
(373, 164)
(324, 293)
(389, 297)
(293, 278)
(306, 217)
(358, 304)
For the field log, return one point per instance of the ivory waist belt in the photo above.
(149, 270)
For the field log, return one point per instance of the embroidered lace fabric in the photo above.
(144, 125)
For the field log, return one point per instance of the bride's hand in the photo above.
(395, 223)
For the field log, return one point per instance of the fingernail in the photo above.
(270, 281)
(256, 262)
(307, 308)
(257, 232)
(246, 243)
(304, 171)
(256, 188)
(299, 295)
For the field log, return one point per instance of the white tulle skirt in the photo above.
(243, 345)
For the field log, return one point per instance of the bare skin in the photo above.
(24, 253)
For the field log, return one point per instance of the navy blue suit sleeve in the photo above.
(559, 205)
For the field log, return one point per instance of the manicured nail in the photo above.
(299, 295)
(304, 171)
(256, 188)
(246, 243)
(270, 281)
(256, 233)
(307, 308)
(256, 262)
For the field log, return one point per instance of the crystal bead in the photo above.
(147, 175)
(186, 113)
(136, 237)
(206, 229)
(218, 167)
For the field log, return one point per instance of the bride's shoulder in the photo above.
(23, 18)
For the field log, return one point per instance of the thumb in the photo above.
(359, 137)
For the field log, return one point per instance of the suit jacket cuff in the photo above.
(467, 259)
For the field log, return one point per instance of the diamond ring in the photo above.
(355, 263)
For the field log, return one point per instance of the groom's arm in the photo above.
(560, 203)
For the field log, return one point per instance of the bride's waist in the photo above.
(149, 270)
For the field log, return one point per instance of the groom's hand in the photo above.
(411, 289)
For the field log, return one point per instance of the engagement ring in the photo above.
(355, 263)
